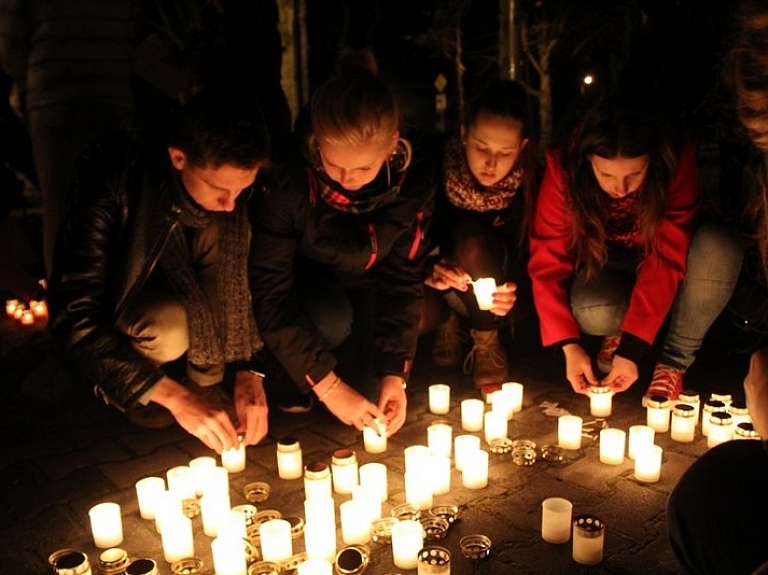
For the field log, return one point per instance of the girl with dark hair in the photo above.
(617, 242)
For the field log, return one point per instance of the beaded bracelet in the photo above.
(328, 391)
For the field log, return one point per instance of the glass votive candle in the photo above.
(375, 437)
(276, 543)
(148, 491)
(11, 305)
(374, 476)
(472, 414)
(233, 460)
(710, 407)
(407, 541)
(600, 401)
(745, 430)
(474, 473)
(515, 389)
(344, 470)
(289, 463)
(648, 463)
(214, 510)
(556, 515)
(495, 425)
(439, 398)
(317, 480)
(70, 562)
(569, 431)
(181, 482)
(658, 413)
(588, 537)
(691, 397)
(612, 444)
(39, 309)
(113, 561)
(320, 540)
(639, 436)
(720, 428)
(463, 445)
(433, 560)
(320, 510)
(683, 423)
(739, 412)
(106, 525)
(484, 289)
(440, 437)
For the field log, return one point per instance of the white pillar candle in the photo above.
(556, 515)
(569, 431)
(407, 541)
(707, 410)
(355, 523)
(289, 463)
(502, 402)
(315, 566)
(276, 542)
(321, 511)
(683, 428)
(317, 480)
(106, 525)
(233, 460)
(472, 414)
(474, 473)
(720, 428)
(417, 458)
(229, 556)
(375, 437)
(639, 436)
(440, 437)
(374, 476)
(320, 541)
(484, 289)
(214, 509)
(691, 397)
(463, 446)
(181, 481)
(495, 425)
(588, 537)
(515, 389)
(369, 501)
(418, 489)
(168, 505)
(648, 463)
(441, 474)
(344, 471)
(148, 491)
(658, 413)
(233, 524)
(612, 444)
(216, 481)
(201, 470)
(177, 539)
(439, 398)
(600, 401)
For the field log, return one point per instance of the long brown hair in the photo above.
(616, 127)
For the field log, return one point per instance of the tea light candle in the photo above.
(418, 491)
(439, 398)
(556, 520)
(148, 491)
(106, 525)
(344, 471)
(276, 542)
(10, 307)
(375, 437)
(720, 428)
(501, 402)
(515, 389)
(707, 410)
(683, 423)
(289, 463)
(201, 471)
(181, 481)
(19, 311)
(612, 442)
(495, 425)
(407, 541)
(177, 539)
(569, 431)
(472, 414)
(639, 436)
(27, 318)
(320, 541)
(315, 566)
(739, 412)
(600, 401)
(484, 289)
(317, 480)
(355, 523)
(39, 309)
(374, 476)
(464, 445)
(657, 413)
(417, 458)
(474, 473)
(441, 473)
(233, 460)
(722, 395)
(229, 556)
(648, 463)
(588, 537)
(440, 437)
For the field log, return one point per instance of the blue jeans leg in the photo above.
(599, 304)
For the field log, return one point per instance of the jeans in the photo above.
(713, 265)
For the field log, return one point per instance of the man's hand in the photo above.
(756, 391)
(623, 374)
(250, 406)
(393, 402)
(578, 368)
(346, 403)
(448, 275)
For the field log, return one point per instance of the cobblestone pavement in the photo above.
(63, 451)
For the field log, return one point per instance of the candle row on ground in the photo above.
(37, 310)
(508, 399)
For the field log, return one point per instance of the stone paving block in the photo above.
(144, 441)
(57, 465)
(125, 474)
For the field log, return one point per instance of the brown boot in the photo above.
(446, 347)
(487, 360)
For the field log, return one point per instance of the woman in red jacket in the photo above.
(616, 244)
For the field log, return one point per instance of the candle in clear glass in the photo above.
(374, 476)
(691, 397)
(201, 470)
(439, 398)
(612, 443)
(19, 311)
(569, 431)
(472, 414)
(276, 542)
(648, 463)
(720, 428)
(418, 489)
(233, 524)
(440, 437)
(441, 473)
(148, 491)
(502, 402)
(39, 309)
(106, 525)
(463, 445)
(229, 556)
(317, 480)
(739, 412)
(495, 425)
(600, 401)
(11, 306)
(474, 474)
(233, 460)
(556, 520)
(315, 566)
(639, 436)
(707, 410)
(214, 508)
(375, 437)
(177, 539)
(484, 289)
(27, 318)
(416, 458)
(407, 541)
(181, 481)
(683, 423)
(657, 413)
(344, 470)
(320, 541)
(355, 523)
(588, 537)
(289, 464)
(434, 560)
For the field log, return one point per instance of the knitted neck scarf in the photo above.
(233, 336)
(465, 192)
